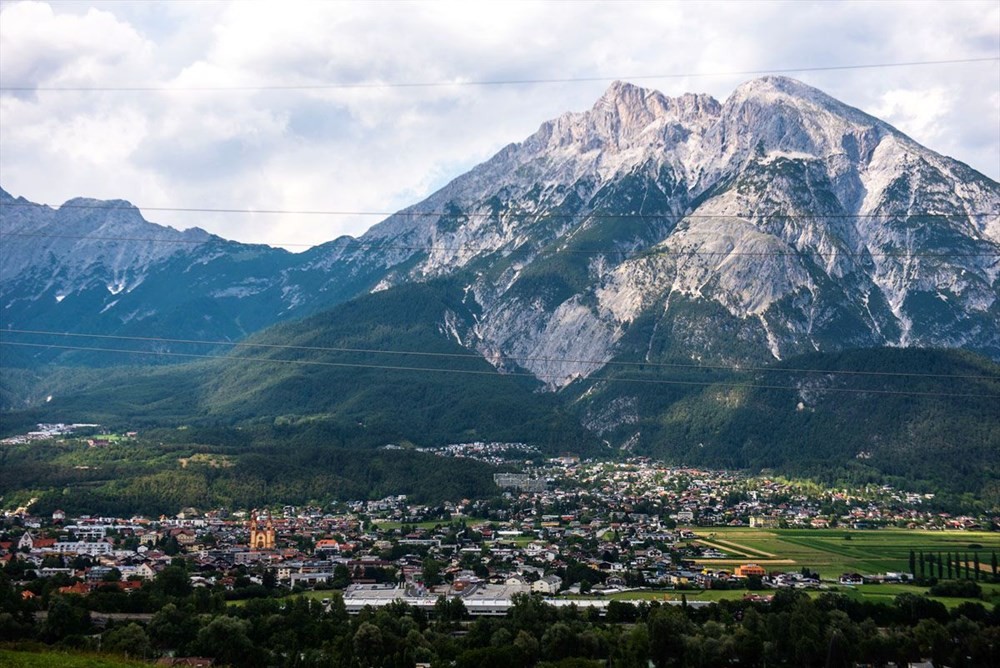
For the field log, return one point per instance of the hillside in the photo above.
(863, 415)
(871, 414)
(439, 394)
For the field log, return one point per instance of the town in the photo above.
(580, 533)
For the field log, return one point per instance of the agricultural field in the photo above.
(832, 552)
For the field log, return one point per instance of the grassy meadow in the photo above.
(48, 658)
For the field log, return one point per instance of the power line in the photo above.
(382, 351)
(489, 249)
(648, 381)
(485, 214)
(490, 82)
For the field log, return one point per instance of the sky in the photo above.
(219, 123)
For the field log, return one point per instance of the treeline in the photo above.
(791, 630)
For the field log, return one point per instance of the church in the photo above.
(261, 538)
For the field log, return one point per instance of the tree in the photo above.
(528, 647)
(667, 629)
(558, 641)
(227, 639)
(130, 640)
(368, 644)
(341, 577)
(173, 581)
(172, 628)
(432, 572)
(65, 618)
(913, 563)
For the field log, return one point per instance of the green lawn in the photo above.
(886, 593)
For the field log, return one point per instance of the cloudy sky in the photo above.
(282, 106)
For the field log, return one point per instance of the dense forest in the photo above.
(178, 470)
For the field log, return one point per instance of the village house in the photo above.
(548, 585)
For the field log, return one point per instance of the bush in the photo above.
(957, 589)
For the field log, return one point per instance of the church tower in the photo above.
(261, 539)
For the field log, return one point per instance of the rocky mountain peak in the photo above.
(779, 222)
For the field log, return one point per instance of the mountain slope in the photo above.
(325, 379)
(783, 216)
(813, 226)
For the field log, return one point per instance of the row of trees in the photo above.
(791, 630)
(951, 566)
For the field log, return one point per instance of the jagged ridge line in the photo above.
(377, 351)
(648, 381)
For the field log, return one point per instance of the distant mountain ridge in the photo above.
(777, 223)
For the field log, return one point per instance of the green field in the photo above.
(874, 593)
(386, 525)
(833, 552)
(45, 658)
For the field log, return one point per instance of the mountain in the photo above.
(675, 276)
(99, 267)
(777, 223)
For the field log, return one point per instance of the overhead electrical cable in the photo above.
(111, 205)
(357, 242)
(516, 358)
(478, 372)
(490, 82)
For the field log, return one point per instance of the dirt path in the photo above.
(727, 546)
(738, 562)
(744, 549)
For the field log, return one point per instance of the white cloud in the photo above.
(917, 112)
(363, 149)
